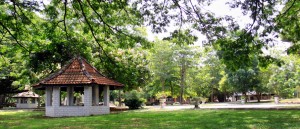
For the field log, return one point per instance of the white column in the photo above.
(88, 95)
(37, 103)
(96, 95)
(70, 95)
(56, 96)
(48, 98)
(106, 95)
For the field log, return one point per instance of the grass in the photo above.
(203, 119)
(294, 100)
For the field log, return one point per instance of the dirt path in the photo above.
(228, 106)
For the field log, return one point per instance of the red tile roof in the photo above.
(78, 71)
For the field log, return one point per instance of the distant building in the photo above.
(27, 99)
(251, 96)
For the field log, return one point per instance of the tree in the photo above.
(115, 17)
(184, 55)
(171, 60)
(162, 64)
(45, 35)
(205, 76)
(6, 89)
(263, 76)
(240, 49)
(224, 85)
(284, 80)
(243, 80)
(288, 24)
(48, 35)
(214, 69)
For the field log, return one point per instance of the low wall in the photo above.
(26, 105)
(76, 110)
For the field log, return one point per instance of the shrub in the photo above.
(176, 103)
(134, 100)
(196, 101)
(203, 100)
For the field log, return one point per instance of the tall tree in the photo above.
(184, 55)
(284, 79)
(243, 80)
(163, 64)
(205, 76)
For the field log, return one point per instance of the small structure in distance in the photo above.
(27, 99)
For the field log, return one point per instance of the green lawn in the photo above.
(294, 100)
(205, 119)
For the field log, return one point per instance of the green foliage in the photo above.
(134, 99)
(163, 65)
(238, 50)
(204, 80)
(224, 84)
(7, 88)
(285, 79)
(182, 38)
(163, 94)
(37, 39)
(170, 63)
(129, 66)
(43, 37)
(244, 80)
(288, 22)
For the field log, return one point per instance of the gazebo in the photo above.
(77, 77)
(27, 99)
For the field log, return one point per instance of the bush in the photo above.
(134, 100)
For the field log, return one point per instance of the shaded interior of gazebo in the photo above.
(77, 80)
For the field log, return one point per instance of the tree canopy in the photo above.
(38, 37)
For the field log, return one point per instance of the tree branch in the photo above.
(92, 31)
(65, 15)
(181, 15)
(108, 25)
(13, 37)
(289, 8)
(195, 11)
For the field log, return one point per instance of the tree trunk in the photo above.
(246, 98)
(212, 95)
(197, 104)
(39, 102)
(182, 81)
(120, 102)
(2, 100)
(162, 84)
(172, 92)
(258, 95)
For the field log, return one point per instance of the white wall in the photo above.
(28, 104)
(56, 110)
(76, 111)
